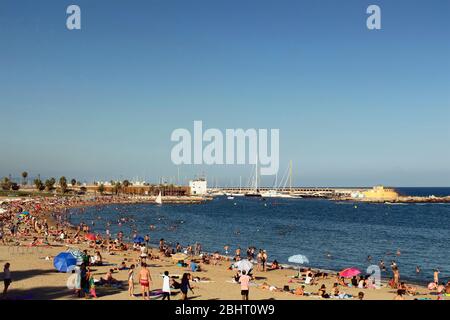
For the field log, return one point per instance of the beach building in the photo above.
(378, 193)
(198, 187)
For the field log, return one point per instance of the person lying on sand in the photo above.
(201, 279)
(300, 291)
(266, 286)
(108, 278)
(410, 290)
(122, 266)
(275, 265)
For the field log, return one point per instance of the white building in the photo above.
(197, 187)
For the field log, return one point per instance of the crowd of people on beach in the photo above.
(42, 222)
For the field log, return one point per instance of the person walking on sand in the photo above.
(244, 280)
(185, 286)
(6, 278)
(131, 281)
(145, 281)
(166, 286)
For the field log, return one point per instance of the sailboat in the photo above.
(158, 199)
(275, 193)
(238, 194)
(256, 192)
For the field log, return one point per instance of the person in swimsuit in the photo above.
(244, 280)
(436, 276)
(185, 286)
(264, 260)
(131, 281)
(145, 281)
(6, 278)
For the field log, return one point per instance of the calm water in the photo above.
(334, 235)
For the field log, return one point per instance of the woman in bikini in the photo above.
(185, 286)
(131, 281)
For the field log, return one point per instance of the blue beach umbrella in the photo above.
(138, 239)
(63, 261)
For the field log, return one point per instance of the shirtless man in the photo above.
(145, 281)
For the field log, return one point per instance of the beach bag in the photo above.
(71, 282)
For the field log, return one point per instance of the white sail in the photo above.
(158, 199)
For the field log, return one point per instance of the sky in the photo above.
(355, 107)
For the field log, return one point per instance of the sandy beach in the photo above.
(34, 276)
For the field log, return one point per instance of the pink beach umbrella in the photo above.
(349, 272)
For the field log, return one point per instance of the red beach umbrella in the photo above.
(90, 236)
(349, 272)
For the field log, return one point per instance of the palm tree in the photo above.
(126, 184)
(49, 184)
(117, 187)
(38, 183)
(63, 184)
(24, 176)
(101, 189)
(6, 183)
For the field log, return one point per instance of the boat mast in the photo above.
(256, 174)
(290, 176)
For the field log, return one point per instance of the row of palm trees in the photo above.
(49, 184)
(116, 186)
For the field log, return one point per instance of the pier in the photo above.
(312, 192)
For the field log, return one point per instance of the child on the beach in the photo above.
(166, 286)
(92, 285)
(131, 281)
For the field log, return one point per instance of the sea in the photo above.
(333, 234)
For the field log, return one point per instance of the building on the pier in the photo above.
(380, 193)
(198, 187)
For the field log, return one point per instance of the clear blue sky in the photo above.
(354, 107)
